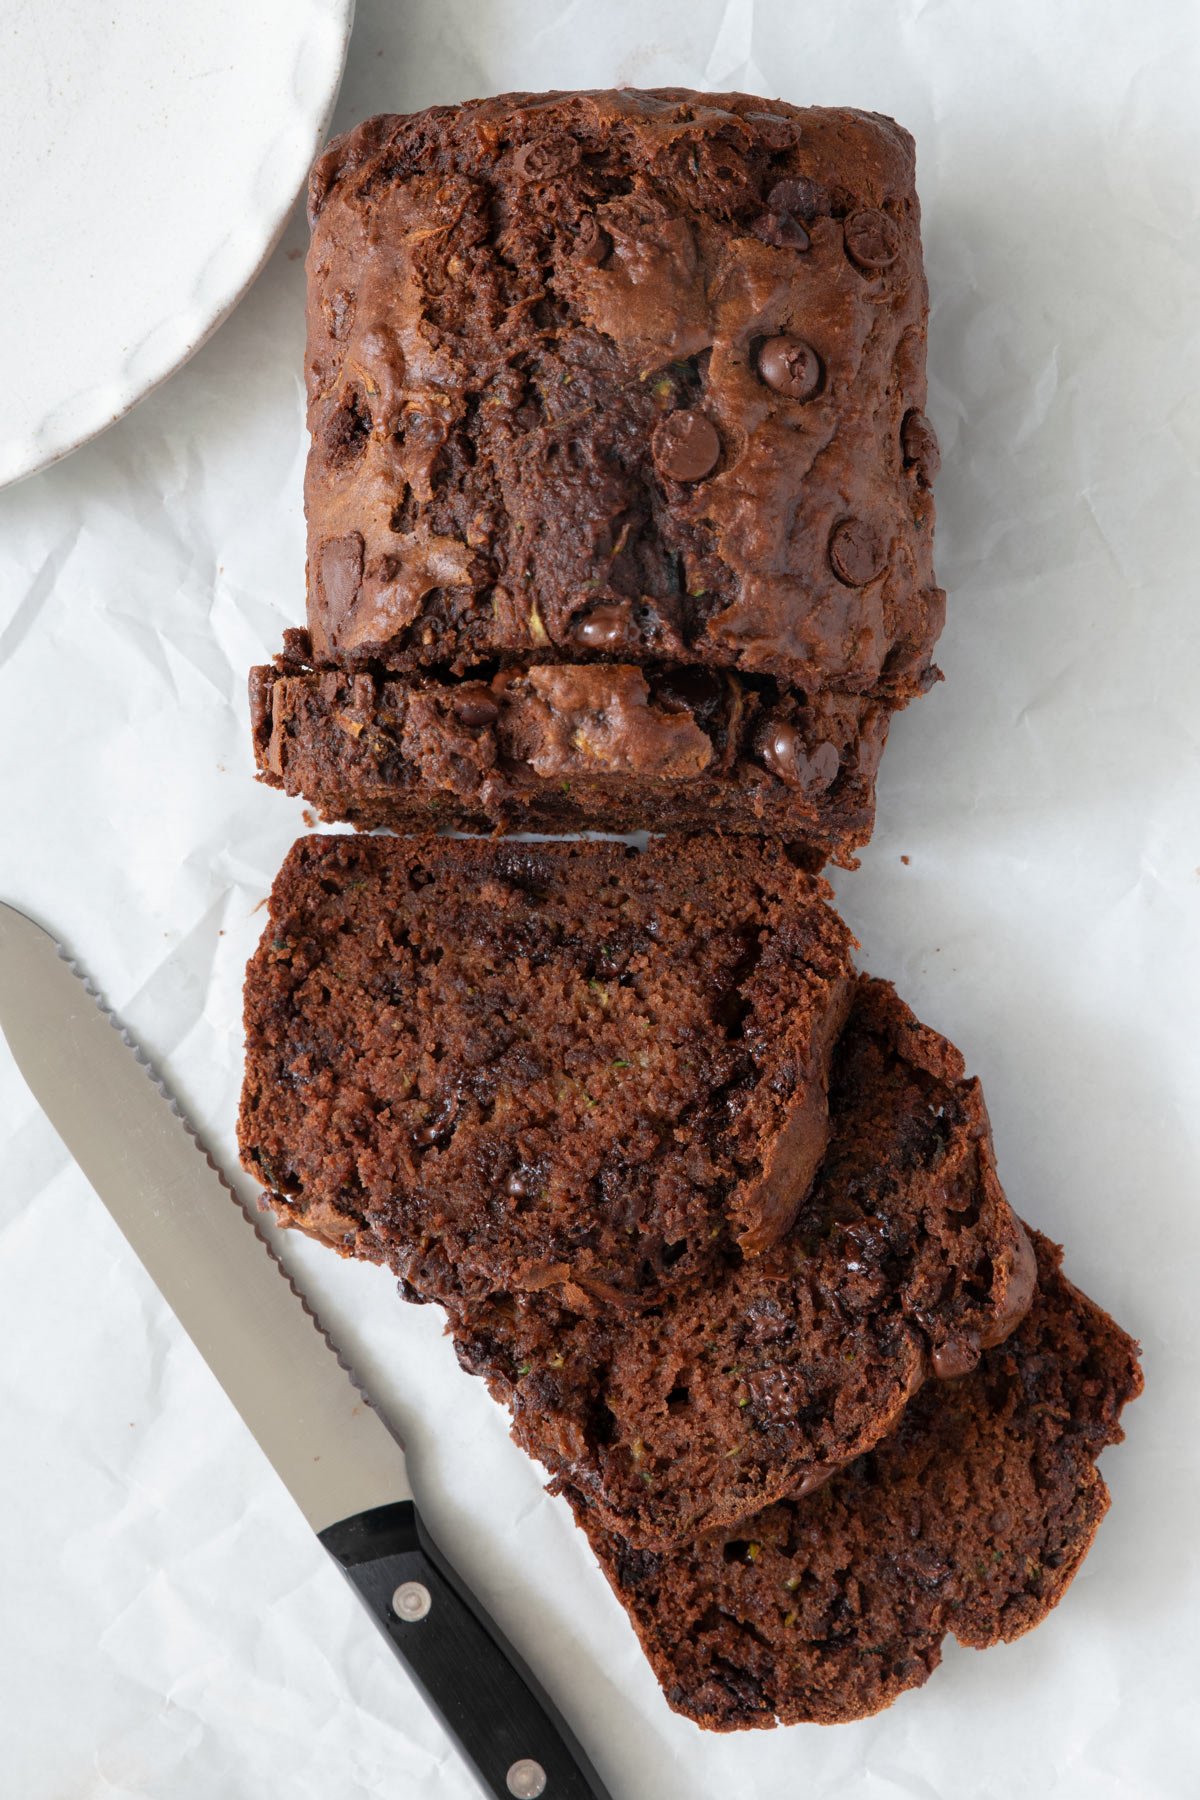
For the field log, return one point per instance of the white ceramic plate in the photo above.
(151, 153)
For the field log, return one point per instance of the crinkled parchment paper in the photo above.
(170, 1630)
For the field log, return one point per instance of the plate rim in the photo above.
(341, 13)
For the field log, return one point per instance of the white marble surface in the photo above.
(170, 1630)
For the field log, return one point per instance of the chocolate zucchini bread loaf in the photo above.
(761, 1377)
(972, 1518)
(628, 379)
(568, 1066)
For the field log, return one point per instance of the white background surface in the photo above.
(170, 1631)
(151, 154)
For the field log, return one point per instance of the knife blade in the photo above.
(333, 1450)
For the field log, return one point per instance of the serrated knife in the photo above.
(341, 1463)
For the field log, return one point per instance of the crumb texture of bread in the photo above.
(570, 1067)
(766, 1373)
(971, 1519)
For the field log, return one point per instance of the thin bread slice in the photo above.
(971, 1519)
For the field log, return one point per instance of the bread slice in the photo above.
(758, 1378)
(563, 747)
(519, 1066)
(971, 1519)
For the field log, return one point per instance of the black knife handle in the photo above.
(488, 1701)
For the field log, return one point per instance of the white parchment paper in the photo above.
(170, 1630)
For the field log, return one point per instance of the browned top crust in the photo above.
(636, 375)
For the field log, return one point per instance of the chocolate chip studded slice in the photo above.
(973, 1517)
(686, 446)
(642, 1038)
(856, 552)
(603, 743)
(771, 1370)
(790, 366)
(872, 239)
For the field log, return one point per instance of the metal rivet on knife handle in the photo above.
(411, 1602)
(527, 1779)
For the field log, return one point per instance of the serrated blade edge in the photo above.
(214, 1267)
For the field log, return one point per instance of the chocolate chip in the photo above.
(475, 708)
(789, 204)
(785, 753)
(546, 157)
(918, 441)
(592, 242)
(686, 446)
(798, 198)
(872, 239)
(603, 628)
(817, 1476)
(781, 230)
(957, 1356)
(790, 366)
(856, 553)
(339, 575)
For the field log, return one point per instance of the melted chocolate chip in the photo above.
(546, 157)
(957, 1356)
(686, 446)
(790, 366)
(475, 708)
(817, 1476)
(798, 198)
(918, 442)
(790, 204)
(872, 239)
(603, 628)
(785, 753)
(781, 230)
(340, 574)
(592, 242)
(856, 554)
